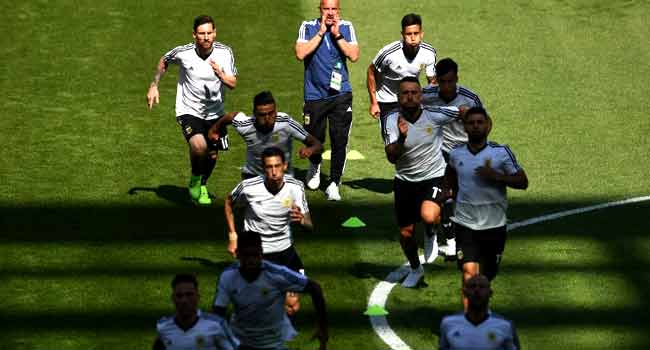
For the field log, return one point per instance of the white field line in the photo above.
(380, 294)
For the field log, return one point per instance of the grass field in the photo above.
(94, 219)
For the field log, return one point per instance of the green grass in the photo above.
(94, 218)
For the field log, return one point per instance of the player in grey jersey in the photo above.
(266, 128)
(413, 141)
(449, 93)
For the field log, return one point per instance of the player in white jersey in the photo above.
(190, 328)
(266, 128)
(271, 203)
(206, 68)
(478, 174)
(413, 141)
(447, 92)
(256, 289)
(404, 58)
(477, 327)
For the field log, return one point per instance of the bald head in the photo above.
(329, 11)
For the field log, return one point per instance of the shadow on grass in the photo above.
(384, 186)
(175, 194)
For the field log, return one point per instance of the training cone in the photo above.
(353, 222)
(375, 310)
(355, 155)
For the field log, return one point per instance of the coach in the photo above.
(325, 44)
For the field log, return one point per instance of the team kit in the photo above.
(450, 180)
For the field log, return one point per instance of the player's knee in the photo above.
(292, 304)
(430, 213)
(198, 145)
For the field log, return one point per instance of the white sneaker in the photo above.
(449, 249)
(312, 180)
(332, 192)
(430, 248)
(413, 277)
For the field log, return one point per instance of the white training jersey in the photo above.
(267, 213)
(199, 92)
(284, 131)
(211, 332)
(480, 204)
(494, 333)
(453, 133)
(422, 159)
(259, 319)
(392, 66)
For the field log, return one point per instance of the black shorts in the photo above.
(191, 125)
(410, 195)
(288, 257)
(484, 247)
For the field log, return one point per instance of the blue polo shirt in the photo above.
(320, 63)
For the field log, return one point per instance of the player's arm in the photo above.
(153, 95)
(450, 181)
(518, 180)
(303, 219)
(349, 49)
(158, 344)
(228, 210)
(304, 47)
(318, 300)
(313, 146)
(396, 149)
(226, 119)
(371, 84)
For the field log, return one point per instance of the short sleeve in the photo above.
(288, 280)
(443, 343)
(303, 33)
(237, 194)
(352, 36)
(171, 56)
(296, 130)
(443, 114)
(221, 298)
(391, 132)
(228, 65)
(510, 165)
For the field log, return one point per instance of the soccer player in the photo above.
(206, 68)
(413, 139)
(266, 128)
(190, 328)
(256, 289)
(325, 44)
(399, 59)
(479, 173)
(448, 93)
(477, 327)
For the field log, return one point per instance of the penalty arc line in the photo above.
(381, 291)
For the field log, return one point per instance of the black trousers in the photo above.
(337, 111)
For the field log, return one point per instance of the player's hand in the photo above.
(216, 69)
(153, 96)
(213, 134)
(232, 248)
(374, 110)
(486, 171)
(323, 26)
(305, 152)
(403, 125)
(296, 215)
(335, 26)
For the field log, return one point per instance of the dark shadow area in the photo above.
(216, 265)
(384, 186)
(175, 194)
(195, 223)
